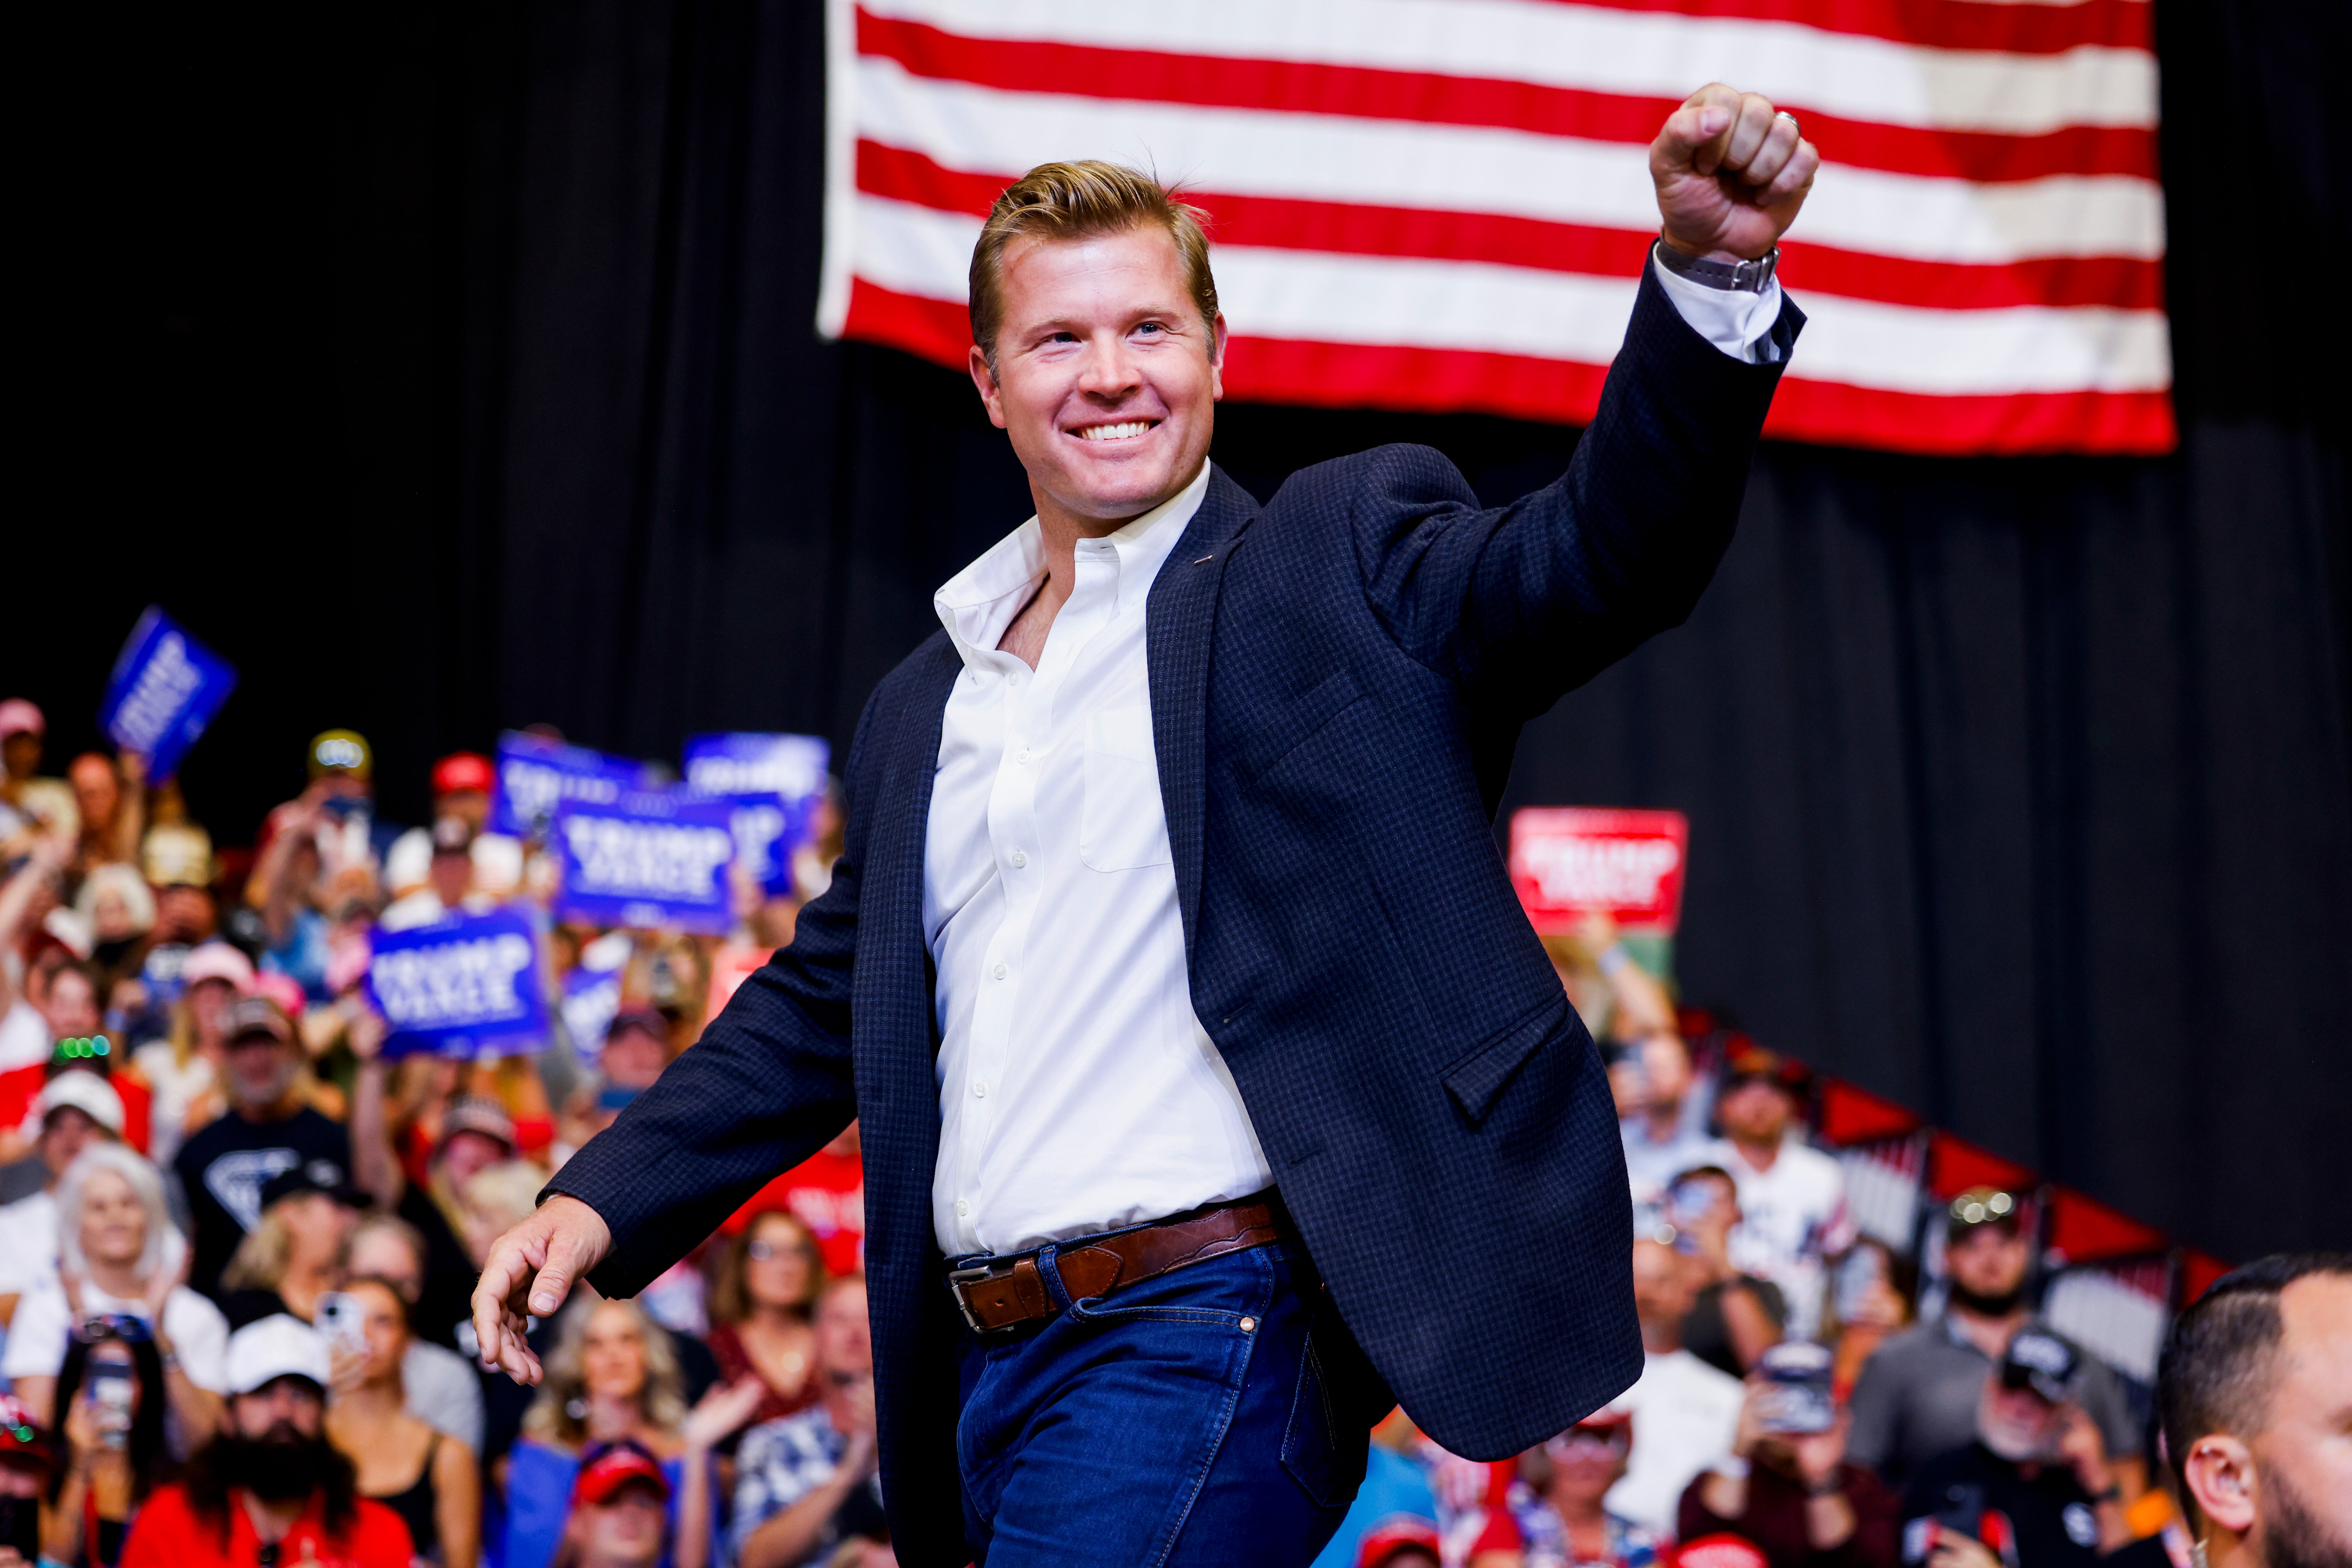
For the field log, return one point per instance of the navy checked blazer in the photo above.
(1339, 679)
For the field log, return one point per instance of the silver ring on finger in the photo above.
(1784, 114)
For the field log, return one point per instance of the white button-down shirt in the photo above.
(1078, 1090)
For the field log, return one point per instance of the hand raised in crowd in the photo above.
(2084, 1450)
(1955, 1550)
(530, 1271)
(1731, 173)
(724, 1409)
(166, 1278)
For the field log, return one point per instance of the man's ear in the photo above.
(1217, 358)
(985, 379)
(2221, 1471)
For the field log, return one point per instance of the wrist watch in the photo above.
(1742, 277)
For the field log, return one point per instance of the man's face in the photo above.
(70, 1006)
(1756, 1109)
(1662, 1284)
(184, 913)
(470, 806)
(844, 1340)
(261, 1071)
(1988, 1260)
(633, 1058)
(65, 1133)
(467, 1155)
(1106, 377)
(2015, 1422)
(627, 1528)
(21, 755)
(282, 1410)
(95, 790)
(2303, 1455)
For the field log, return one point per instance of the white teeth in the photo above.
(1114, 432)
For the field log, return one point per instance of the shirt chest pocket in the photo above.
(1122, 826)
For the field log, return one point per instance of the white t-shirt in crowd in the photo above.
(38, 1338)
(28, 1244)
(23, 1037)
(1793, 1219)
(1686, 1413)
(442, 1389)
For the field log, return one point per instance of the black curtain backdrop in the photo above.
(450, 367)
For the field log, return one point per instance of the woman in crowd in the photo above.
(116, 908)
(612, 1377)
(185, 1069)
(120, 1263)
(114, 1442)
(1734, 1316)
(426, 1478)
(288, 1260)
(1559, 1507)
(768, 1282)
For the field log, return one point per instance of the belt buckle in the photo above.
(972, 1275)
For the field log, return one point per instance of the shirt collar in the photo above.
(979, 602)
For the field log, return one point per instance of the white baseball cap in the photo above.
(276, 1346)
(85, 1092)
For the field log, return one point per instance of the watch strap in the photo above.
(1739, 277)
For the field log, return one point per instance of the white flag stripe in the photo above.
(1454, 168)
(1323, 298)
(1599, 49)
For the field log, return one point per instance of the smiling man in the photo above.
(1184, 1162)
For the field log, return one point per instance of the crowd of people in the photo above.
(239, 1237)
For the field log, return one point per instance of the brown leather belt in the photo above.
(1007, 1293)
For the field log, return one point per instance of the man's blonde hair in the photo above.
(1080, 201)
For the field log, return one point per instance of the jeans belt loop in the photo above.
(1050, 1273)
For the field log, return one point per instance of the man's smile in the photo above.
(1114, 430)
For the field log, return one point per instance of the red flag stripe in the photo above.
(2012, 28)
(1282, 224)
(1361, 92)
(1417, 380)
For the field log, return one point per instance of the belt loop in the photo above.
(1050, 1272)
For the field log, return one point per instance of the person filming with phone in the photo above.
(1787, 1487)
(2036, 1489)
(112, 1392)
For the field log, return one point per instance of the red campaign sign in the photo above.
(1568, 861)
(729, 967)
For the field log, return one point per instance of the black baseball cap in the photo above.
(2041, 1360)
(315, 1176)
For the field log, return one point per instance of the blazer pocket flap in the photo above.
(1475, 1079)
(1299, 718)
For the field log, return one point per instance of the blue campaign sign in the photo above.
(536, 775)
(460, 983)
(649, 858)
(774, 782)
(166, 688)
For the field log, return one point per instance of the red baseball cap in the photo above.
(1721, 1551)
(605, 1470)
(462, 771)
(1393, 1535)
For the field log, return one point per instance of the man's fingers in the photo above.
(1695, 134)
(1752, 124)
(1773, 152)
(1796, 176)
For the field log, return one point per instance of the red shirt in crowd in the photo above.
(825, 1193)
(168, 1535)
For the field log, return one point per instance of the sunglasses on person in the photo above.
(1587, 1443)
(113, 1326)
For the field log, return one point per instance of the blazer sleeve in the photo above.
(767, 1085)
(1530, 600)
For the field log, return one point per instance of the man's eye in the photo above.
(1150, 327)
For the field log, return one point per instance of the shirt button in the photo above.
(1022, 757)
(1001, 971)
(962, 1208)
(1020, 858)
(1012, 679)
(979, 1089)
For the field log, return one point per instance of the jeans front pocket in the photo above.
(1324, 1447)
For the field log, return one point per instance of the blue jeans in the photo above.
(1186, 1420)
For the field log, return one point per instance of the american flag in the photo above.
(1445, 204)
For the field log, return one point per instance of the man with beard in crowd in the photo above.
(1917, 1396)
(2035, 1488)
(266, 1129)
(269, 1488)
(2255, 1394)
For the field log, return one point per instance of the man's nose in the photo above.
(1108, 370)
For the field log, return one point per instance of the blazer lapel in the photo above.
(897, 1008)
(1180, 619)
